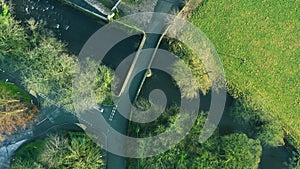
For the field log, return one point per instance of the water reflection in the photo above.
(68, 24)
(75, 28)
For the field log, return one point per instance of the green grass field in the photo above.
(259, 44)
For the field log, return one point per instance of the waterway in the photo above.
(67, 23)
(272, 157)
(74, 28)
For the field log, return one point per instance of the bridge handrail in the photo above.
(133, 64)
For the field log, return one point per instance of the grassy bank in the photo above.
(258, 42)
(216, 152)
(10, 91)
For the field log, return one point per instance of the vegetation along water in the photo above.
(258, 45)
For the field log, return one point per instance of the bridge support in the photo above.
(149, 73)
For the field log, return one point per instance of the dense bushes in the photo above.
(43, 64)
(200, 80)
(12, 37)
(230, 151)
(62, 150)
(240, 152)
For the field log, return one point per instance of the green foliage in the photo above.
(165, 121)
(271, 134)
(30, 149)
(201, 79)
(72, 150)
(43, 63)
(92, 85)
(257, 43)
(13, 40)
(16, 109)
(235, 151)
(26, 155)
(217, 151)
(18, 164)
(186, 82)
(46, 69)
(257, 124)
(5, 10)
(8, 91)
(117, 16)
(240, 152)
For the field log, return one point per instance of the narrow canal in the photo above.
(74, 28)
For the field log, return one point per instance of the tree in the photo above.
(43, 63)
(239, 152)
(230, 151)
(185, 81)
(15, 108)
(200, 79)
(13, 40)
(83, 153)
(92, 85)
(61, 150)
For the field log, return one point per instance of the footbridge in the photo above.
(142, 61)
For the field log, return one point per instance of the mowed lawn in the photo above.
(259, 44)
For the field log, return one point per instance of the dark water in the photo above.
(163, 81)
(272, 157)
(74, 28)
(68, 24)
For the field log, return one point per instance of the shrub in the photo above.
(61, 150)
